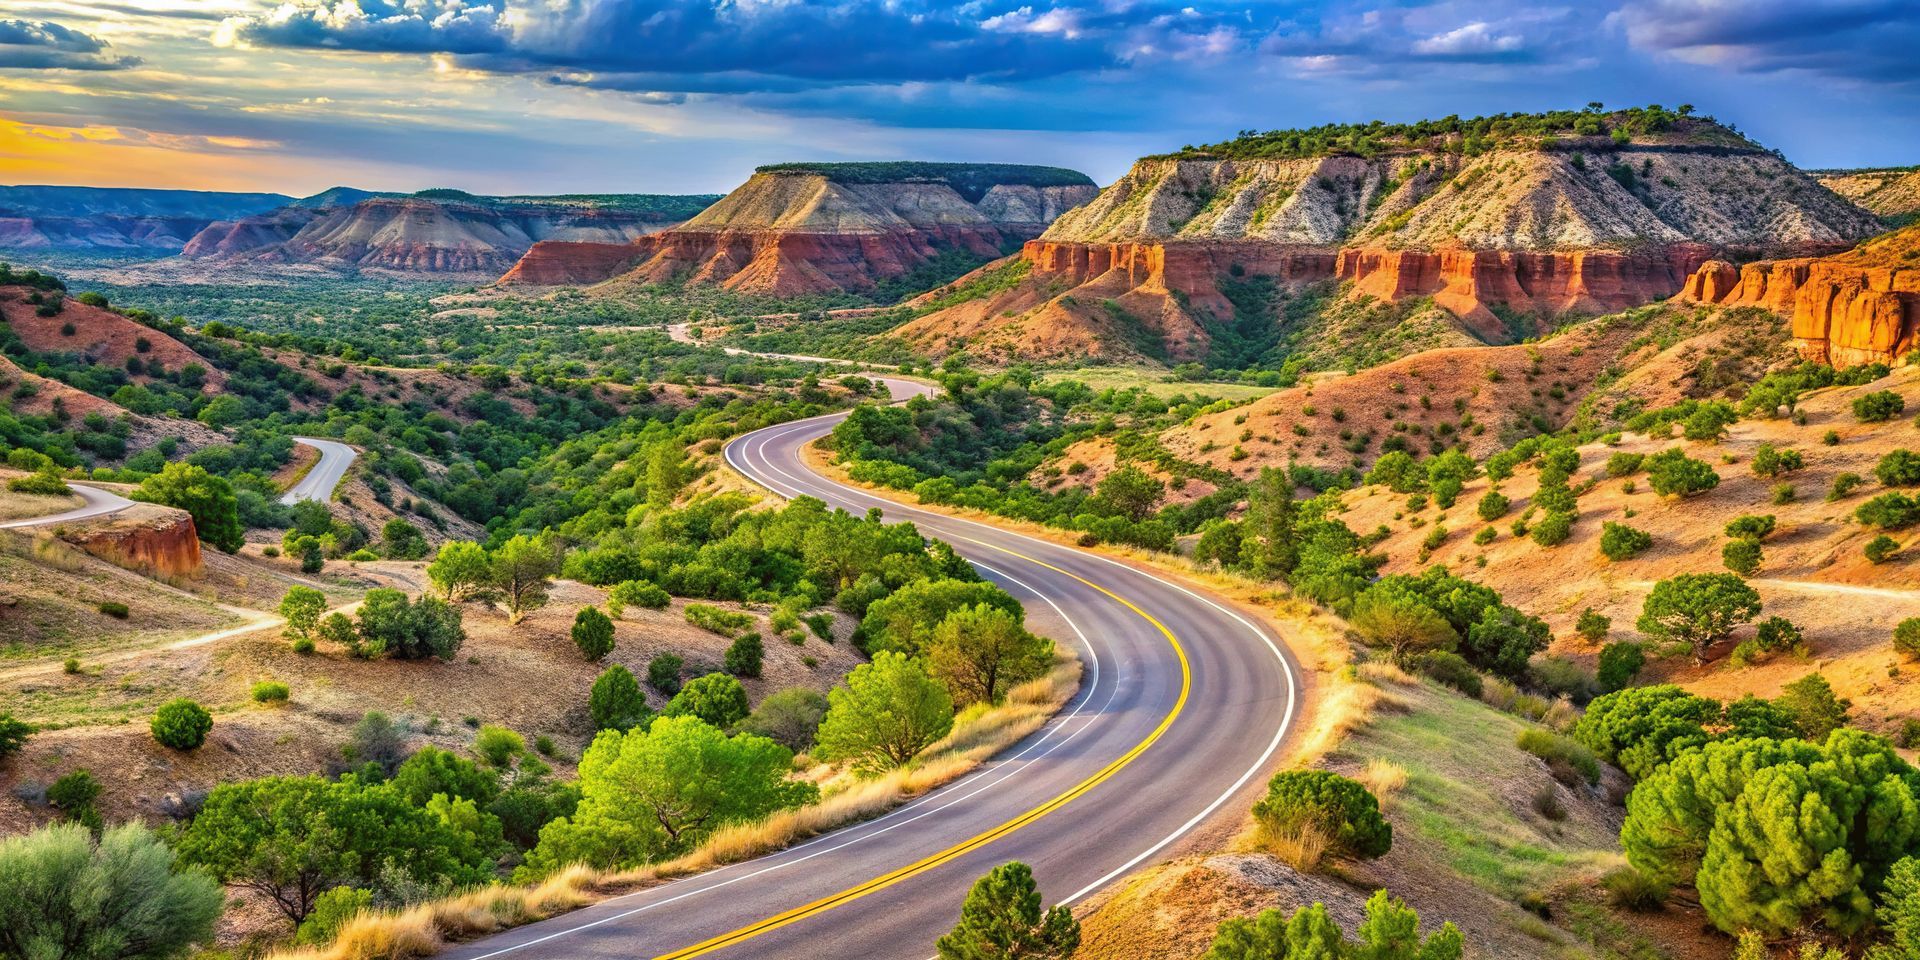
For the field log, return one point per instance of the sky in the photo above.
(688, 96)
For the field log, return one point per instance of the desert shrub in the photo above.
(1391, 931)
(616, 702)
(1453, 670)
(1494, 505)
(1672, 473)
(303, 646)
(121, 897)
(1771, 461)
(498, 746)
(727, 623)
(1001, 917)
(789, 717)
(391, 624)
(638, 593)
(716, 698)
(1779, 633)
(663, 673)
(1619, 541)
(1889, 511)
(1906, 642)
(1781, 494)
(1878, 406)
(1340, 809)
(1624, 464)
(331, 911)
(1559, 675)
(41, 482)
(13, 735)
(1750, 526)
(1592, 625)
(1552, 529)
(1485, 536)
(181, 724)
(1901, 468)
(744, 655)
(270, 691)
(1880, 548)
(1843, 484)
(1742, 555)
(592, 634)
(1641, 728)
(1631, 889)
(1619, 664)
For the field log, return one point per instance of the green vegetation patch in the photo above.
(970, 180)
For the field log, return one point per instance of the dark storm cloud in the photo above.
(1869, 41)
(44, 45)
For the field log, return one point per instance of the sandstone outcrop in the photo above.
(1862, 306)
(436, 231)
(1523, 232)
(1893, 193)
(148, 538)
(799, 229)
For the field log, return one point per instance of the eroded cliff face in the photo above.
(1862, 306)
(148, 538)
(793, 233)
(1536, 232)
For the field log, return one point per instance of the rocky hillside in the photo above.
(1861, 306)
(1893, 193)
(795, 229)
(1497, 220)
(115, 219)
(434, 231)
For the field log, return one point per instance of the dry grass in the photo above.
(422, 930)
(1384, 672)
(1301, 846)
(1383, 778)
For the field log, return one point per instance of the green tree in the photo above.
(1494, 505)
(1641, 728)
(1619, 664)
(223, 411)
(1129, 492)
(292, 838)
(904, 620)
(663, 672)
(1671, 813)
(181, 724)
(400, 540)
(788, 717)
(1269, 546)
(460, 571)
(1402, 623)
(593, 634)
(981, 651)
(1391, 931)
(301, 608)
(888, 711)
(216, 513)
(1899, 912)
(716, 698)
(1002, 919)
(521, 571)
(1338, 808)
(1397, 472)
(647, 795)
(616, 702)
(65, 896)
(745, 655)
(1906, 642)
(432, 770)
(389, 623)
(1878, 406)
(1742, 555)
(1812, 706)
(1672, 473)
(1698, 609)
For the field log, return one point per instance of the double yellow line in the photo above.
(918, 867)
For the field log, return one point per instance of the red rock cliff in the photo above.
(149, 538)
(1858, 307)
(554, 263)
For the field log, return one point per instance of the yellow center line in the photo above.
(918, 867)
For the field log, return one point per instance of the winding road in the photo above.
(99, 503)
(1181, 714)
(318, 484)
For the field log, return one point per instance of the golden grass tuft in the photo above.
(424, 929)
(1383, 778)
(1382, 671)
(1301, 846)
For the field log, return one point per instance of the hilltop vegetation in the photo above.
(1476, 135)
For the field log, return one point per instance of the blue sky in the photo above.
(549, 96)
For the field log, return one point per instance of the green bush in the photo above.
(1451, 669)
(1671, 473)
(1742, 555)
(1771, 461)
(1556, 749)
(498, 746)
(122, 896)
(1901, 468)
(1779, 633)
(1552, 529)
(1906, 642)
(41, 483)
(1619, 664)
(1889, 511)
(1751, 526)
(1781, 494)
(1391, 931)
(73, 795)
(1641, 728)
(744, 656)
(1338, 808)
(638, 593)
(1494, 505)
(1592, 625)
(114, 609)
(593, 634)
(13, 735)
(1880, 548)
(331, 911)
(716, 698)
(1843, 484)
(1624, 464)
(663, 673)
(270, 691)
(1621, 542)
(727, 623)
(181, 724)
(1631, 889)
(1878, 406)
(616, 702)
(1001, 917)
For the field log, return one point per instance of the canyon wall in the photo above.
(148, 538)
(1858, 307)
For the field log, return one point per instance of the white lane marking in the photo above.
(1287, 670)
(945, 795)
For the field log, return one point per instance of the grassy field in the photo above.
(1156, 382)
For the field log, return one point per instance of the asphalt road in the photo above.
(1183, 707)
(98, 502)
(318, 484)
